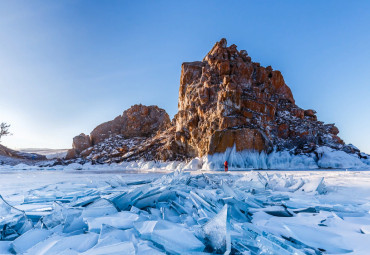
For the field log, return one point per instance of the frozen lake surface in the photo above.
(148, 212)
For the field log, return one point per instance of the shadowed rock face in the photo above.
(243, 139)
(228, 100)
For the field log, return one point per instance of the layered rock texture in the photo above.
(225, 101)
(228, 100)
(138, 121)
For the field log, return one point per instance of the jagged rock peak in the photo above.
(227, 100)
(221, 51)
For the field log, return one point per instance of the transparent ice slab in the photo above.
(29, 239)
(217, 232)
(173, 237)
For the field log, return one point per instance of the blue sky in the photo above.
(67, 66)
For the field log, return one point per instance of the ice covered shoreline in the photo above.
(324, 158)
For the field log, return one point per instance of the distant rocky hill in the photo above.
(13, 157)
(116, 137)
(226, 102)
(48, 153)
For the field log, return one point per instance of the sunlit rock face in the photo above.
(228, 100)
(80, 143)
(113, 136)
(225, 101)
(137, 121)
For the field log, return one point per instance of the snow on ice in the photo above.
(253, 212)
(323, 158)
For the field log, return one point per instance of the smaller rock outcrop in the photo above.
(80, 143)
(139, 121)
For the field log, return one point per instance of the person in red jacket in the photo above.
(226, 166)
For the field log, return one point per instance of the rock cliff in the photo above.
(228, 100)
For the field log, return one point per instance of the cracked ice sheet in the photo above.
(334, 218)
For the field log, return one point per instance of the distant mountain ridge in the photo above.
(48, 153)
(13, 157)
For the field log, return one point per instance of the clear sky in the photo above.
(67, 66)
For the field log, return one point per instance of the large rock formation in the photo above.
(225, 101)
(228, 100)
(137, 121)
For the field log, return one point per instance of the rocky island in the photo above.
(229, 108)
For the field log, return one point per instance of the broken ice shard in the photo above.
(77, 243)
(173, 237)
(74, 222)
(13, 222)
(100, 207)
(29, 239)
(278, 211)
(315, 185)
(113, 249)
(122, 220)
(217, 233)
